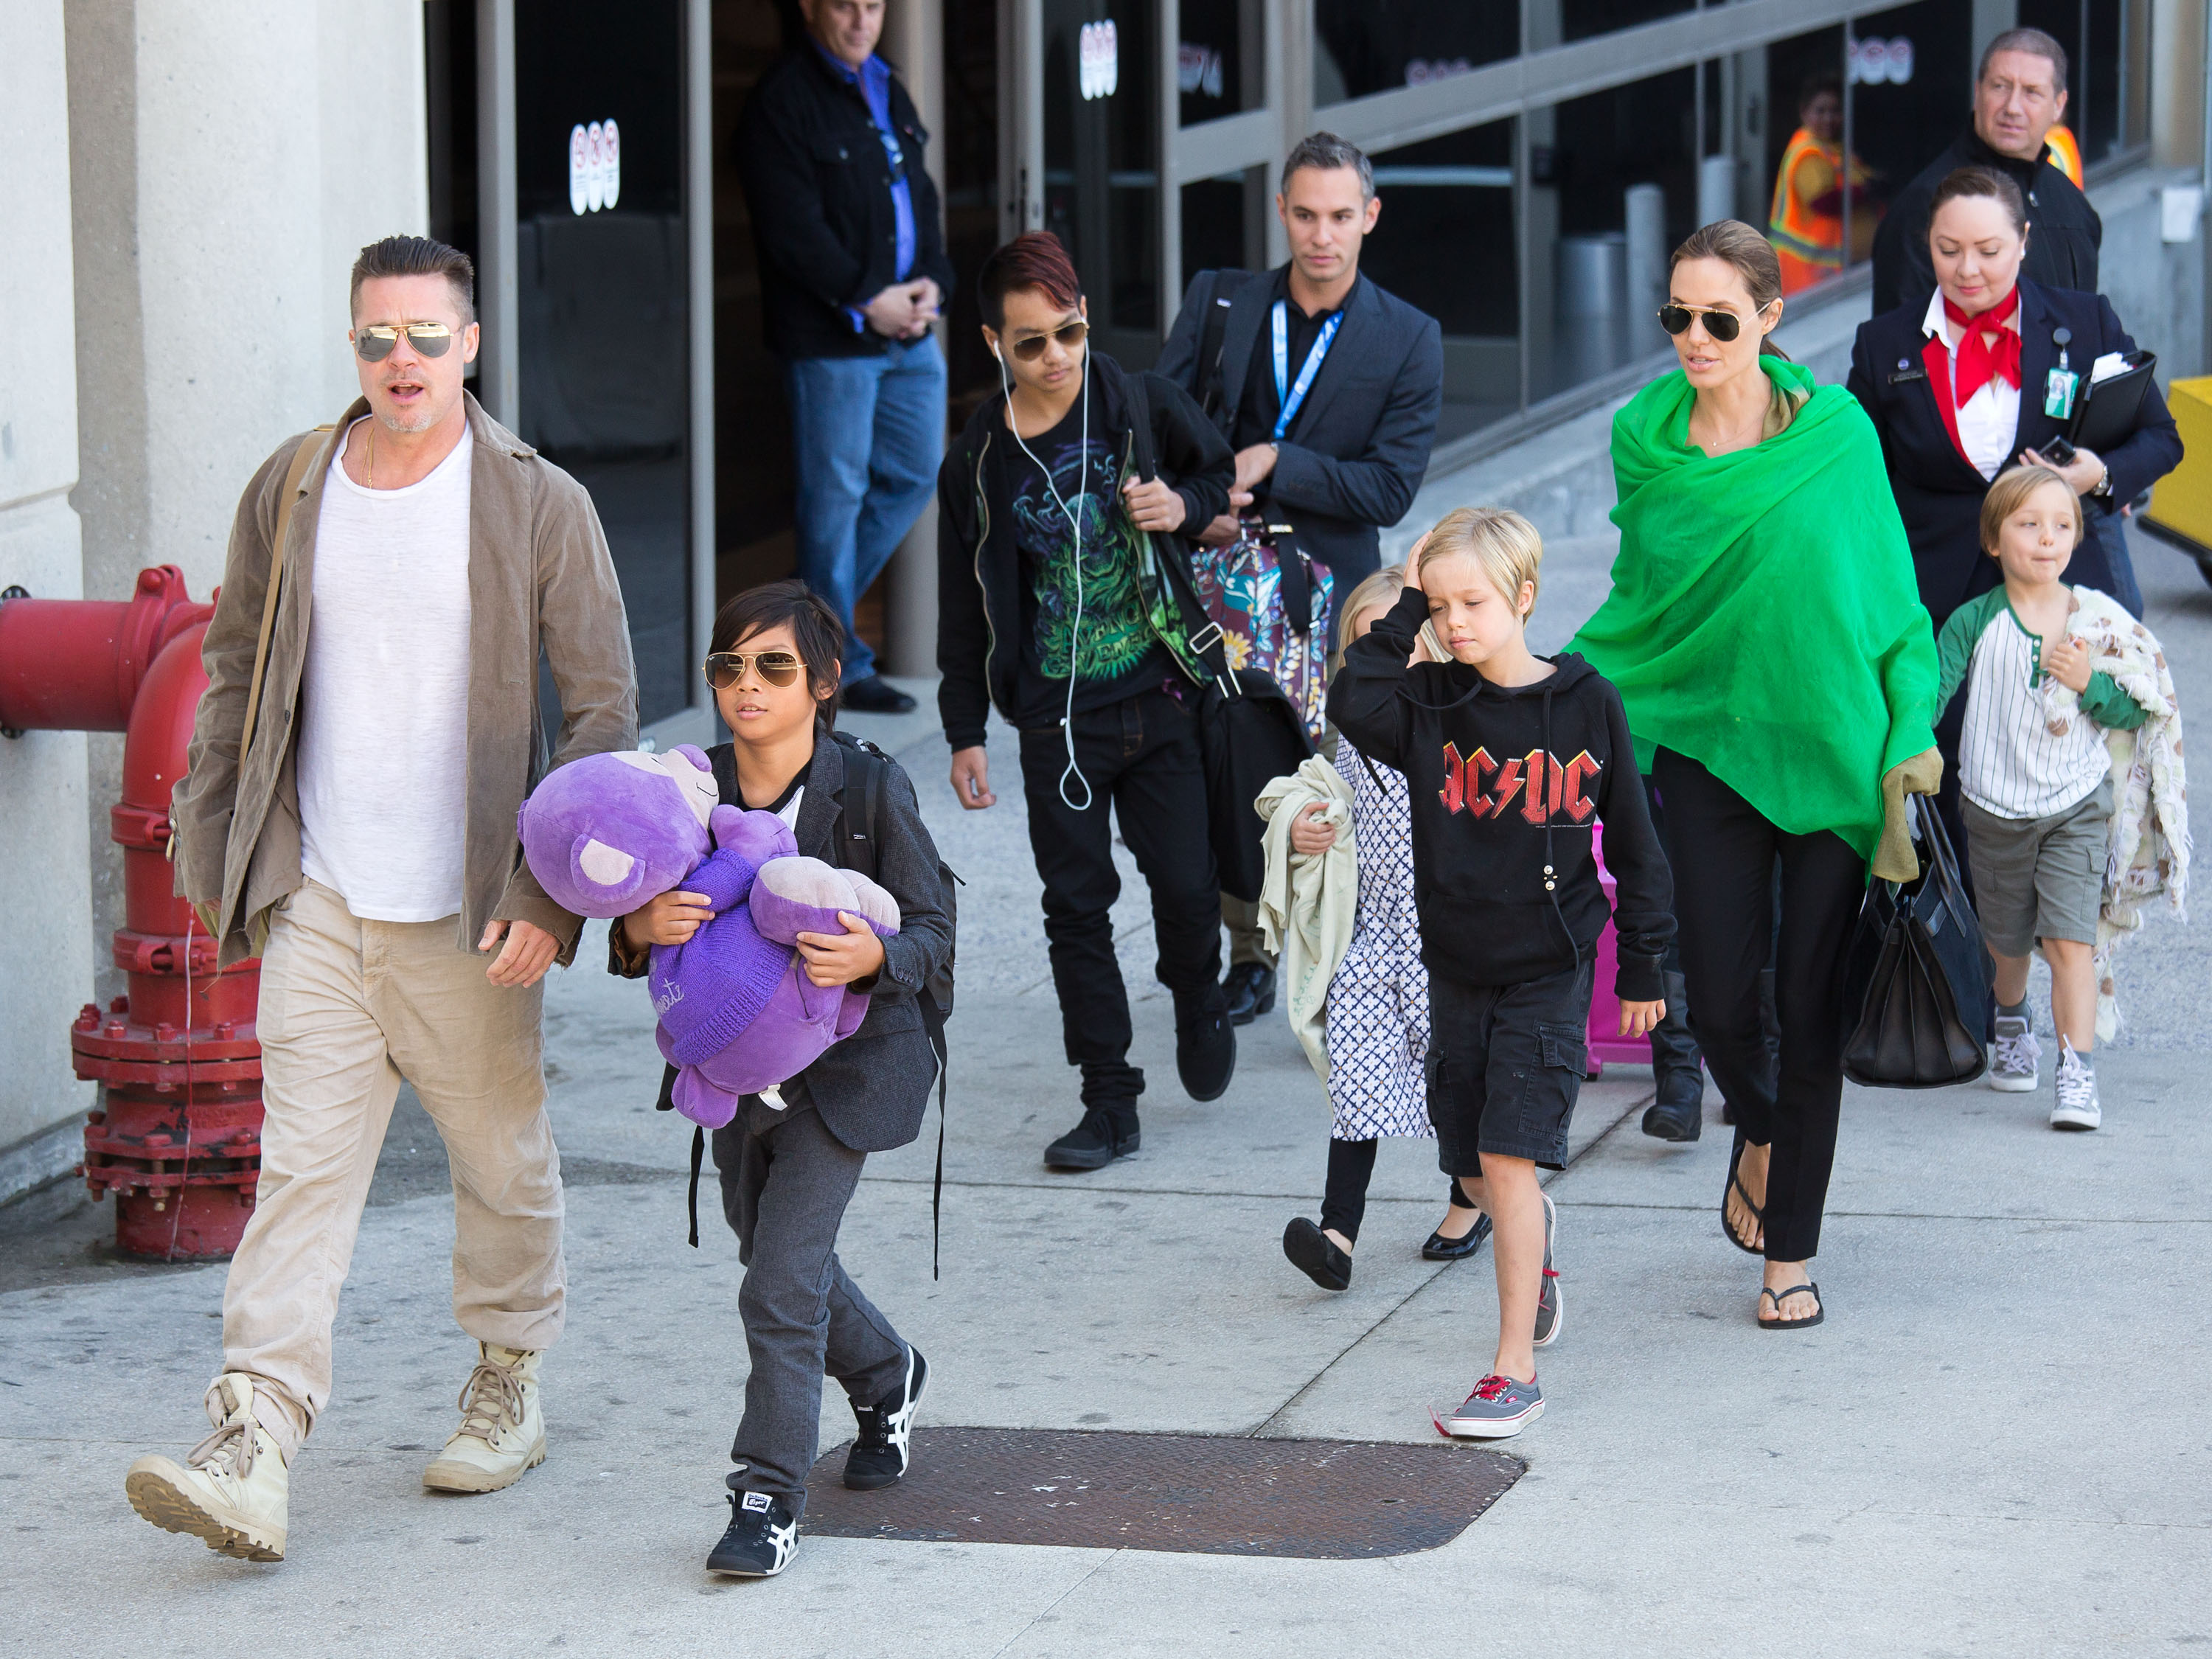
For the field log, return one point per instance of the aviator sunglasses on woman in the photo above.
(1723, 325)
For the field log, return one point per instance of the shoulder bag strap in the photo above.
(301, 457)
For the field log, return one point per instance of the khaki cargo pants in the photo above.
(348, 1007)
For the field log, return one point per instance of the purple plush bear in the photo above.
(737, 1013)
(608, 833)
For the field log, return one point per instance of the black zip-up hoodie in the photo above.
(979, 569)
(1487, 831)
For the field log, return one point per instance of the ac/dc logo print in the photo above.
(1541, 780)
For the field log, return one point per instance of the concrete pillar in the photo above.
(45, 953)
(914, 40)
(234, 159)
(2177, 84)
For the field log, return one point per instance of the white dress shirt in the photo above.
(1990, 419)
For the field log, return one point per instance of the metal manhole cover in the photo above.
(1321, 1499)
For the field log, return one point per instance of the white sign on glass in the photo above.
(594, 166)
(1098, 55)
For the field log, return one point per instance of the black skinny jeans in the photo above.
(1141, 754)
(1724, 850)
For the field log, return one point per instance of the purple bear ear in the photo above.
(694, 754)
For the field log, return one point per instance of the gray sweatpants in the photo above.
(786, 1182)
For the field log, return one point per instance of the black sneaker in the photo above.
(1205, 1047)
(875, 695)
(1314, 1254)
(763, 1532)
(1105, 1134)
(1251, 988)
(880, 1454)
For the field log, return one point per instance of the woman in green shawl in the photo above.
(1767, 636)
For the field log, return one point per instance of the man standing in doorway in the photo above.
(1329, 388)
(360, 835)
(853, 272)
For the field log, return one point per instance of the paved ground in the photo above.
(1995, 1446)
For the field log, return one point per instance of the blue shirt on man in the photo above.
(874, 78)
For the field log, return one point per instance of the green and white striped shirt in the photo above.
(2032, 747)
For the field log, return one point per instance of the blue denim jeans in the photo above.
(867, 433)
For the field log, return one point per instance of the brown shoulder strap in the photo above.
(301, 457)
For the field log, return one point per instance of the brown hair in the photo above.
(2010, 493)
(1033, 260)
(815, 627)
(1735, 243)
(416, 256)
(2034, 42)
(1961, 183)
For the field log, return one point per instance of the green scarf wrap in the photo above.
(1764, 618)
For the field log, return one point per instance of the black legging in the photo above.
(1344, 1200)
(1724, 850)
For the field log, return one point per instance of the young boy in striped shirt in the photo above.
(2035, 776)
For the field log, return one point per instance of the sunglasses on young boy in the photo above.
(1031, 347)
(1722, 325)
(726, 668)
(374, 342)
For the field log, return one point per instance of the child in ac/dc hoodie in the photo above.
(1509, 758)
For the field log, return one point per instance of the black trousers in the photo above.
(1141, 755)
(1724, 850)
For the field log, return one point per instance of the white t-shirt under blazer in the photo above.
(384, 727)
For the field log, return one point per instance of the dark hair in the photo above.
(418, 256)
(1735, 243)
(2034, 42)
(1826, 80)
(1328, 151)
(1033, 260)
(814, 626)
(1962, 182)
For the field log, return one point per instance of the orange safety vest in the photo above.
(2065, 154)
(1809, 245)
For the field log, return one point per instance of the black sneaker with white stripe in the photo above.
(763, 1534)
(883, 1448)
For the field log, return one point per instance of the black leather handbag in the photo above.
(1918, 976)
(1249, 735)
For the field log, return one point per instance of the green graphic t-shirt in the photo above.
(1115, 648)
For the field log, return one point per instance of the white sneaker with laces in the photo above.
(2077, 1106)
(502, 1430)
(232, 1490)
(2012, 1062)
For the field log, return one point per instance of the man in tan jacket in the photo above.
(361, 837)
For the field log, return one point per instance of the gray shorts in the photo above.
(2039, 877)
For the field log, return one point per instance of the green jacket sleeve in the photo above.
(1955, 647)
(2113, 709)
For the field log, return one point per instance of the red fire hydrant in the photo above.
(177, 1134)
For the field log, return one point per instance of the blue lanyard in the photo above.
(1288, 396)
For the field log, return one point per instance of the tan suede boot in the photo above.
(232, 1489)
(502, 1429)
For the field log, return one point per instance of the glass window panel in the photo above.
(1613, 188)
(1581, 18)
(1363, 46)
(1101, 164)
(1224, 223)
(1445, 242)
(1907, 65)
(2090, 33)
(1219, 60)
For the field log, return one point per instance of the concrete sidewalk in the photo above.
(1994, 1445)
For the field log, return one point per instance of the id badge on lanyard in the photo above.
(2060, 386)
(1289, 397)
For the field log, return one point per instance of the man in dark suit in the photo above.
(2020, 94)
(1327, 388)
(853, 272)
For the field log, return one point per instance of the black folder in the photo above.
(2106, 415)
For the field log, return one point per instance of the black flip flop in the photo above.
(1758, 1214)
(1821, 1310)
(1314, 1254)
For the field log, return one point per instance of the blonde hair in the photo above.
(1381, 588)
(2010, 493)
(1505, 544)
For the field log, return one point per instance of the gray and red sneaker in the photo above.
(1498, 1409)
(1549, 1312)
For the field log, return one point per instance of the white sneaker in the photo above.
(2077, 1106)
(232, 1488)
(2012, 1061)
(502, 1430)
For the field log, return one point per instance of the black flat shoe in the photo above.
(1675, 1120)
(875, 695)
(1314, 1254)
(1440, 1248)
(1251, 988)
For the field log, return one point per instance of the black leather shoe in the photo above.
(762, 1535)
(1438, 1247)
(1251, 988)
(875, 695)
(1679, 1114)
(1206, 1049)
(1105, 1134)
(1313, 1254)
(883, 1448)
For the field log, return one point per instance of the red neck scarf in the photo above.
(1987, 349)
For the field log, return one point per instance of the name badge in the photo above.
(2058, 393)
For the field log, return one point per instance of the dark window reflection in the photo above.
(1580, 19)
(1363, 46)
(1907, 68)
(1218, 59)
(1445, 242)
(605, 359)
(2091, 32)
(1101, 166)
(1225, 225)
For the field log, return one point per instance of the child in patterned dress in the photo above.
(1378, 1001)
